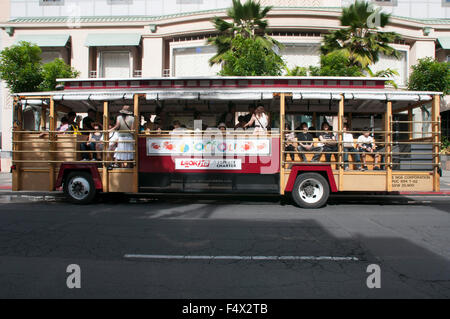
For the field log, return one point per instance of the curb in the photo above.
(425, 193)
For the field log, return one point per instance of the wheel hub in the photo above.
(309, 190)
(79, 188)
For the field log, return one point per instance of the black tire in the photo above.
(79, 188)
(311, 190)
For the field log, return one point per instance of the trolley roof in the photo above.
(362, 94)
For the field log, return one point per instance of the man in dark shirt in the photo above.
(248, 117)
(305, 143)
(327, 141)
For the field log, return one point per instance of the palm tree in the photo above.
(361, 42)
(387, 73)
(296, 71)
(248, 20)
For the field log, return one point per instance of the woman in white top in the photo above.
(125, 122)
(260, 119)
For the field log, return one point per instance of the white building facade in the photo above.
(153, 38)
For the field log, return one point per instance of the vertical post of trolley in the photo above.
(51, 139)
(410, 124)
(43, 118)
(106, 148)
(282, 115)
(340, 141)
(436, 129)
(388, 145)
(17, 125)
(136, 137)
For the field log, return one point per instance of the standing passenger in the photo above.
(260, 119)
(125, 144)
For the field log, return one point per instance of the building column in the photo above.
(80, 53)
(421, 49)
(6, 126)
(152, 57)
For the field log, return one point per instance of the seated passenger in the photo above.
(95, 142)
(327, 141)
(306, 144)
(223, 128)
(64, 125)
(176, 124)
(248, 116)
(366, 144)
(241, 122)
(88, 121)
(290, 139)
(347, 139)
(72, 125)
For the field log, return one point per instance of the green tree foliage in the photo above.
(247, 21)
(251, 58)
(57, 69)
(430, 75)
(297, 71)
(21, 68)
(361, 42)
(335, 64)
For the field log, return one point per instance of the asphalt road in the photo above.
(409, 238)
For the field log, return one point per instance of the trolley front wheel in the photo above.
(311, 190)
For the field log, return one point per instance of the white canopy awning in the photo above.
(93, 96)
(205, 95)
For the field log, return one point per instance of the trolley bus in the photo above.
(200, 158)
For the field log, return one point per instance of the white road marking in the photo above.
(190, 257)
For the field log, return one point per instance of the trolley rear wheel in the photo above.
(79, 188)
(311, 190)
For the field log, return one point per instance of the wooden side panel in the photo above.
(34, 180)
(34, 148)
(367, 182)
(121, 180)
(412, 182)
(65, 147)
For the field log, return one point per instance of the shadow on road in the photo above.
(39, 240)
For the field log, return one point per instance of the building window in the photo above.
(386, 2)
(115, 64)
(120, 1)
(448, 58)
(49, 56)
(446, 3)
(51, 2)
(301, 54)
(193, 60)
(189, 1)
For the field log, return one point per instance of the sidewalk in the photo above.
(445, 181)
(5, 181)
